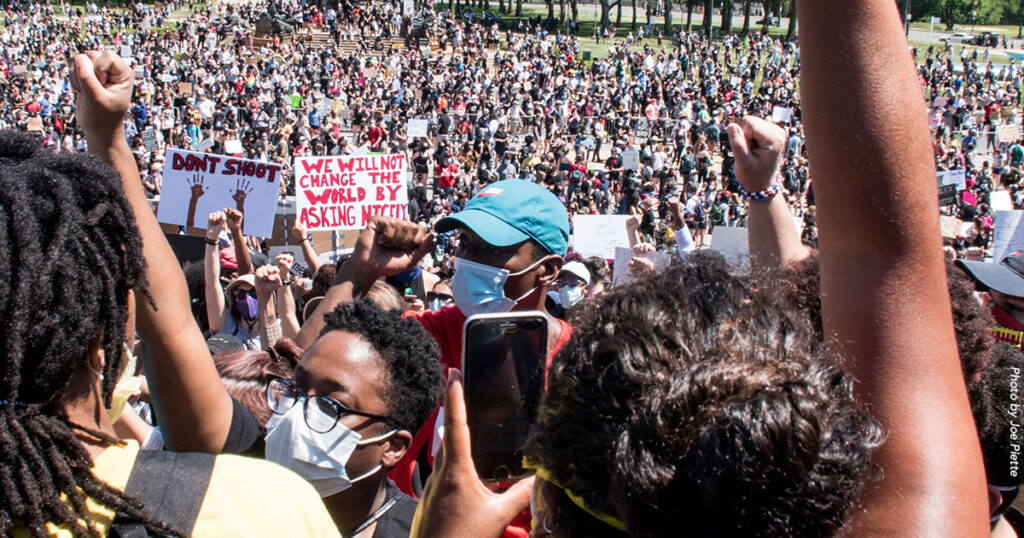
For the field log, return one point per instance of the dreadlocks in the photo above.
(69, 255)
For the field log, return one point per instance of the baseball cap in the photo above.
(509, 212)
(1006, 277)
(577, 270)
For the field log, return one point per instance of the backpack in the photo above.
(717, 217)
(176, 501)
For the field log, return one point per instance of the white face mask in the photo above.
(320, 458)
(480, 289)
(127, 385)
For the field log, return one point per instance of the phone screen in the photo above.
(503, 360)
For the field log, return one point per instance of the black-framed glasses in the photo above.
(443, 297)
(568, 283)
(320, 413)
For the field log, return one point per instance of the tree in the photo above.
(668, 19)
(606, 9)
(519, 8)
(689, 15)
(746, 16)
(709, 8)
(791, 31)
(633, 25)
(561, 13)
(726, 17)
(955, 12)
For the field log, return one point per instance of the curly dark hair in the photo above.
(693, 404)
(409, 354)
(70, 253)
(997, 404)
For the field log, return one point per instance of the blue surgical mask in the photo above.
(480, 289)
(570, 295)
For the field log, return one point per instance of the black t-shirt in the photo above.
(246, 437)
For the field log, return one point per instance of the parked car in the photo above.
(958, 38)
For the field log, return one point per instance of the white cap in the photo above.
(578, 270)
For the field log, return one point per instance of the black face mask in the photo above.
(1008, 496)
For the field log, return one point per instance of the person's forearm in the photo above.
(773, 238)
(347, 288)
(241, 252)
(270, 331)
(192, 407)
(212, 291)
(286, 311)
(309, 254)
(883, 284)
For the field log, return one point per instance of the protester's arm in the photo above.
(268, 280)
(386, 247)
(299, 235)
(632, 230)
(883, 281)
(285, 299)
(192, 407)
(215, 309)
(684, 241)
(773, 238)
(234, 218)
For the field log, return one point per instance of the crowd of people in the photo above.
(856, 385)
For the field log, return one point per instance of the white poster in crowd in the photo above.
(409, 7)
(299, 267)
(631, 159)
(598, 235)
(956, 177)
(782, 114)
(342, 193)
(732, 243)
(233, 146)
(1007, 235)
(950, 226)
(149, 140)
(197, 184)
(126, 51)
(620, 269)
(1000, 201)
(417, 127)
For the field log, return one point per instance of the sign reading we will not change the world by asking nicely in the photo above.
(343, 193)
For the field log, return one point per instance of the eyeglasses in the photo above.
(443, 297)
(570, 283)
(321, 413)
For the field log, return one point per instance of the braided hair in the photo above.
(69, 255)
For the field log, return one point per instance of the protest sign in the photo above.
(299, 267)
(598, 235)
(295, 100)
(370, 72)
(417, 127)
(336, 106)
(35, 125)
(956, 177)
(165, 78)
(947, 195)
(325, 107)
(197, 184)
(362, 150)
(185, 89)
(408, 7)
(950, 226)
(782, 114)
(732, 243)
(631, 159)
(233, 146)
(149, 139)
(19, 70)
(204, 144)
(1007, 234)
(126, 51)
(342, 193)
(620, 269)
(1000, 201)
(1008, 134)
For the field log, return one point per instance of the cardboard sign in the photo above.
(956, 177)
(732, 243)
(598, 235)
(1000, 201)
(1007, 234)
(185, 89)
(417, 128)
(19, 70)
(149, 140)
(35, 125)
(370, 72)
(950, 226)
(1008, 134)
(342, 193)
(336, 106)
(631, 159)
(620, 269)
(233, 146)
(782, 114)
(439, 79)
(197, 184)
(299, 267)
(393, 72)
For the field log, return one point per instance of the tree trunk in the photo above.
(575, 14)
(551, 9)
(791, 31)
(726, 17)
(689, 16)
(633, 25)
(709, 8)
(668, 19)
(561, 14)
(519, 8)
(746, 16)
(767, 16)
(451, 6)
(501, 6)
(618, 15)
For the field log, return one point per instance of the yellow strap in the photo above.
(607, 519)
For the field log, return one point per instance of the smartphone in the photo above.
(503, 359)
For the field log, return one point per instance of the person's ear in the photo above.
(985, 298)
(549, 269)
(396, 448)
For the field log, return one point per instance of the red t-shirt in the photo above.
(445, 326)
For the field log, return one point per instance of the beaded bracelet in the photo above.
(760, 196)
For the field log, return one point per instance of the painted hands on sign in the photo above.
(758, 146)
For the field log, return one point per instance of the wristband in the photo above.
(309, 237)
(760, 196)
(211, 242)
